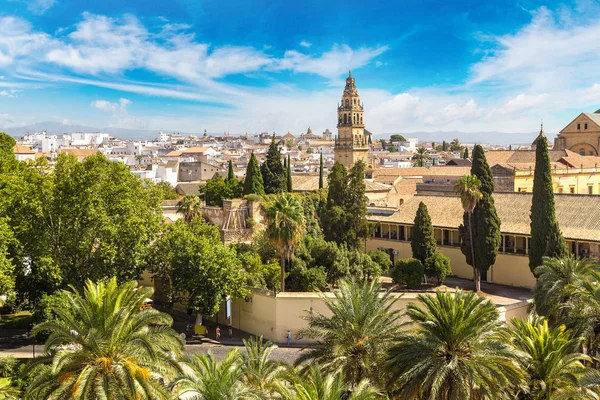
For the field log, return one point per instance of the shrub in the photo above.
(381, 258)
(438, 267)
(253, 197)
(8, 366)
(409, 272)
(303, 279)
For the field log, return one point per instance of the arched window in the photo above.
(582, 151)
(361, 119)
(354, 119)
(344, 118)
(354, 101)
(346, 102)
(340, 120)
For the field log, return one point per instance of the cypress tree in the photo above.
(423, 243)
(254, 181)
(321, 172)
(230, 175)
(466, 153)
(485, 220)
(546, 237)
(285, 164)
(272, 170)
(444, 146)
(289, 174)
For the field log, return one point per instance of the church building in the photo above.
(351, 143)
(581, 136)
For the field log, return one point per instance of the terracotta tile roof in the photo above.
(576, 160)
(376, 187)
(578, 215)
(422, 171)
(306, 183)
(79, 153)
(21, 149)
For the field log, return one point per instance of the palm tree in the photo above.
(355, 339)
(467, 188)
(455, 351)
(420, 157)
(189, 206)
(259, 370)
(205, 378)
(318, 386)
(102, 346)
(558, 282)
(285, 228)
(549, 356)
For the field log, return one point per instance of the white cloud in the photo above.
(330, 64)
(119, 106)
(19, 42)
(39, 6)
(10, 93)
(523, 102)
(306, 44)
(455, 112)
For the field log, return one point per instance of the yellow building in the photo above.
(578, 217)
(581, 136)
(351, 143)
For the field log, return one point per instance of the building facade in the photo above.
(351, 144)
(581, 136)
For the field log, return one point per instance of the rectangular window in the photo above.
(578, 126)
(522, 190)
(585, 126)
(590, 189)
(571, 189)
(560, 190)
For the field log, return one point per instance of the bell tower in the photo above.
(351, 143)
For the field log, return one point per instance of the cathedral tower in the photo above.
(351, 143)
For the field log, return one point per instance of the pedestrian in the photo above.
(230, 332)
(289, 337)
(218, 333)
(183, 336)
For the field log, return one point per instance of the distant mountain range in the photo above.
(492, 137)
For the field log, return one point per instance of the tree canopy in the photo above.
(273, 173)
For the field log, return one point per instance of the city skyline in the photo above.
(278, 67)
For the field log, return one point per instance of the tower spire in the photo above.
(350, 73)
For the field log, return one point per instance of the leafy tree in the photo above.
(272, 171)
(304, 279)
(104, 347)
(206, 378)
(7, 269)
(382, 259)
(455, 145)
(420, 157)
(546, 238)
(165, 189)
(253, 182)
(438, 266)
(289, 174)
(258, 274)
(550, 357)
(467, 188)
(8, 162)
(423, 242)
(409, 272)
(392, 149)
(355, 339)
(485, 221)
(321, 172)
(455, 351)
(230, 173)
(216, 190)
(397, 138)
(195, 267)
(285, 228)
(466, 153)
(190, 206)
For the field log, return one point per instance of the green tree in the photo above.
(397, 138)
(550, 357)
(253, 183)
(195, 267)
(355, 339)
(466, 153)
(455, 145)
(409, 272)
(485, 221)
(321, 172)
(316, 386)
(355, 205)
(166, 190)
(438, 266)
(102, 346)
(206, 378)
(230, 173)
(272, 171)
(7, 269)
(260, 371)
(420, 157)
(190, 206)
(285, 228)
(382, 259)
(289, 174)
(467, 188)
(217, 189)
(546, 238)
(444, 146)
(423, 242)
(455, 351)
(8, 162)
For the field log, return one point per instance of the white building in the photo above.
(89, 139)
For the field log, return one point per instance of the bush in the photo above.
(408, 272)
(381, 258)
(302, 279)
(438, 267)
(253, 197)
(8, 366)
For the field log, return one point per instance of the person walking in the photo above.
(289, 337)
(218, 333)
(230, 332)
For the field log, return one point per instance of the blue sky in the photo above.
(280, 65)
